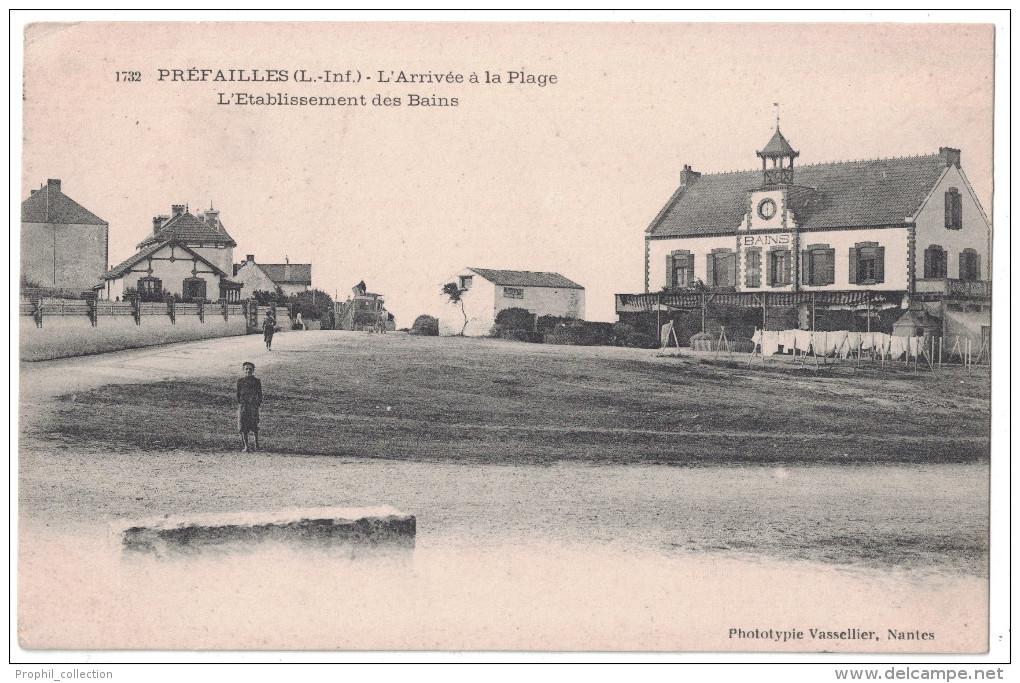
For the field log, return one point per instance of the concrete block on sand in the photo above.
(330, 527)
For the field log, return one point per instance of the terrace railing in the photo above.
(967, 289)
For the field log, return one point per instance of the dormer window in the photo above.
(954, 209)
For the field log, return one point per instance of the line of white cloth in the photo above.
(840, 342)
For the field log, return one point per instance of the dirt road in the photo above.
(546, 516)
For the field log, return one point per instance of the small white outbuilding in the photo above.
(485, 292)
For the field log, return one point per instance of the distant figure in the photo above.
(249, 399)
(299, 324)
(268, 329)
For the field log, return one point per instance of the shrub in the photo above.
(426, 326)
(515, 319)
(314, 304)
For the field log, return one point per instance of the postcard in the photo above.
(506, 336)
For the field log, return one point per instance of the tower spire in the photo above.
(781, 155)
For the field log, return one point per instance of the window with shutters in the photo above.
(934, 262)
(954, 209)
(752, 267)
(721, 268)
(779, 268)
(680, 269)
(970, 265)
(867, 263)
(819, 264)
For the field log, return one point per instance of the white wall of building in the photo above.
(484, 300)
(479, 305)
(172, 274)
(931, 227)
(289, 289)
(221, 257)
(565, 303)
(699, 247)
(253, 279)
(895, 241)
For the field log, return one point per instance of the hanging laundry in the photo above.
(787, 338)
(769, 343)
(854, 342)
(898, 346)
(803, 340)
(919, 346)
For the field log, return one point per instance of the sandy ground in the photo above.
(563, 555)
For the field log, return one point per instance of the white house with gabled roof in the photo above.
(485, 292)
(184, 255)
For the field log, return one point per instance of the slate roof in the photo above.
(525, 278)
(778, 147)
(50, 205)
(842, 194)
(186, 228)
(121, 268)
(300, 273)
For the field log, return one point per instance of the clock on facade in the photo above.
(767, 208)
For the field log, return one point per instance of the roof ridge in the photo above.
(826, 163)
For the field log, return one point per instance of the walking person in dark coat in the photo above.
(268, 328)
(249, 400)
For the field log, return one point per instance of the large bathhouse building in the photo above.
(849, 245)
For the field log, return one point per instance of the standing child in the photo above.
(249, 399)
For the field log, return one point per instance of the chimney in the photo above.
(949, 156)
(688, 177)
(177, 210)
(157, 223)
(53, 184)
(250, 258)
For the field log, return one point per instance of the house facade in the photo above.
(63, 245)
(291, 278)
(184, 255)
(485, 292)
(851, 236)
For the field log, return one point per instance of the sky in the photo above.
(561, 177)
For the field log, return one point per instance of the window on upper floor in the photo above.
(513, 292)
(934, 262)
(954, 209)
(818, 265)
(867, 263)
(465, 281)
(970, 265)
